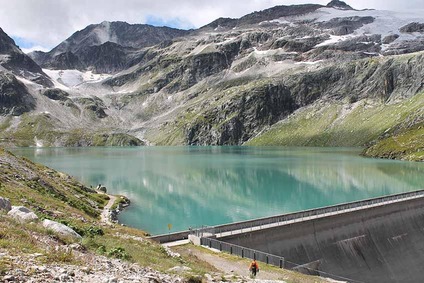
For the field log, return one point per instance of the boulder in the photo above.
(23, 214)
(5, 204)
(60, 229)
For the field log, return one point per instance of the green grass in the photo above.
(40, 126)
(119, 200)
(407, 145)
(339, 124)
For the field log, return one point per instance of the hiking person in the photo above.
(254, 267)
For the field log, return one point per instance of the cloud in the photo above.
(48, 22)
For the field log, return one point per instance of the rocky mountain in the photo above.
(107, 47)
(13, 60)
(339, 5)
(289, 75)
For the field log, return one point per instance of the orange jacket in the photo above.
(254, 264)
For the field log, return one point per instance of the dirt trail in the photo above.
(105, 213)
(235, 267)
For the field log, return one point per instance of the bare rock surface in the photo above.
(60, 228)
(5, 204)
(23, 214)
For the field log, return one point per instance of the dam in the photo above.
(375, 240)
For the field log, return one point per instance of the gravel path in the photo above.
(238, 268)
(105, 216)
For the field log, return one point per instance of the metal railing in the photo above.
(260, 223)
(243, 252)
(267, 222)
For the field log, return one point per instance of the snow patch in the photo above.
(385, 22)
(35, 48)
(38, 143)
(335, 39)
(309, 62)
(73, 78)
(270, 52)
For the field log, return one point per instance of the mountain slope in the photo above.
(14, 61)
(105, 40)
(264, 77)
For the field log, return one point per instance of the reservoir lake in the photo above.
(195, 186)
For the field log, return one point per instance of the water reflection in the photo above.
(193, 186)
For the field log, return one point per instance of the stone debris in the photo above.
(99, 270)
(22, 214)
(170, 253)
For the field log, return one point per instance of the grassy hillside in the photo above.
(59, 197)
(352, 124)
(406, 145)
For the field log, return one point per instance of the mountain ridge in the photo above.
(126, 37)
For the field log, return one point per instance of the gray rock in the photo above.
(347, 25)
(14, 96)
(390, 38)
(60, 229)
(56, 94)
(21, 213)
(9, 278)
(5, 204)
(412, 27)
(63, 278)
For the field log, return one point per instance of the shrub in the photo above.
(119, 253)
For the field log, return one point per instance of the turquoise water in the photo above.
(194, 186)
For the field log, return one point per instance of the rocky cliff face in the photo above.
(239, 119)
(13, 60)
(14, 97)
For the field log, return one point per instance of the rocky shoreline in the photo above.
(123, 203)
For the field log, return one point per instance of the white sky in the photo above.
(46, 23)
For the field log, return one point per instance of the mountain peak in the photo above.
(7, 44)
(339, 5)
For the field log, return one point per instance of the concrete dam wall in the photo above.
(379, 244)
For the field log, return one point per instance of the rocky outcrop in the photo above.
(22, 214)
(56, 94)
(241, 117)
(60, 229)
(261, 16)
(276, 13)
(390, 38)
(405, 47)
(339, 5)
(343, 26)
(14, 96)
(94, 106)
(5, 204)
(412, 27)
(15, 61)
